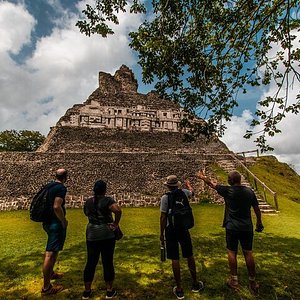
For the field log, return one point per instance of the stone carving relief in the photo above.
(133, 118)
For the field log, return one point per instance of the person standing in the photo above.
(175, 237)
(55, 227)
(238, 224)
(100, 238)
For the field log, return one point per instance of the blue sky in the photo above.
(47, 66)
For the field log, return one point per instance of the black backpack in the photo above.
(40, 208)
(180, 213)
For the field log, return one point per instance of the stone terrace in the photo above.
(136, 179)
(74, 139)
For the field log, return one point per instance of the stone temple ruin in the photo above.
(131, 140)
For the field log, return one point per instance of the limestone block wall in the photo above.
(72, 139)
(134, 179)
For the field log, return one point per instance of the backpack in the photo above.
(180, 213)
(40, 207)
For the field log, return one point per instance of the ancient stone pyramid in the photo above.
(116, 118)
(131, 140)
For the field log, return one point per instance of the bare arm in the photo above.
(259, 225)
(116, 209)
(58, 210)
(163, 224)
(201, 175)
(189, 186)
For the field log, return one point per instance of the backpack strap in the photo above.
(171, 204)
(48, 187)
(51, 184)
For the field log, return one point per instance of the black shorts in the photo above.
(56, 236)
(233, 238)
(173, 239)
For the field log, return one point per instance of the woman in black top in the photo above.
(100, 238)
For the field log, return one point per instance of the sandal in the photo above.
(57, 275)
(51, 290)
(233, 284)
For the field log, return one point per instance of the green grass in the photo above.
(286, 183)
(139, 272)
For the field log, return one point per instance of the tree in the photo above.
(203, 54)
(23, 140)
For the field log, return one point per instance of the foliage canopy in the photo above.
(23, 140)
(203, 54)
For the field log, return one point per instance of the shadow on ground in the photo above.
(141, 275)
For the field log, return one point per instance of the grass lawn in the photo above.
(139, 272)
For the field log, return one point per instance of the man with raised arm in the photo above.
(238, 224)
(56, 227)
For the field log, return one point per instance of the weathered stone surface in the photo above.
(78, 139)
(134, 151)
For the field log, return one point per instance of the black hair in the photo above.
(99, 190)
(100, 187)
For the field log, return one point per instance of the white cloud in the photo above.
(63, 69)
(286, 144)
(14, 35)
(236, 128)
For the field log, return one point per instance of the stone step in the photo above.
(229, 166)
(269, 211)
(265, 206)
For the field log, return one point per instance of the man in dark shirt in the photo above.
(55, 227)
(238, 224)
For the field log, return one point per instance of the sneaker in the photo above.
(87, 294)
(51, 290)
(197, 287)
(111, 294)
(178, 294)
(233, 284)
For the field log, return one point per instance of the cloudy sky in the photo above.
(47, 66)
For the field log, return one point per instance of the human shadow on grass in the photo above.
(277, 264)
(141, 275)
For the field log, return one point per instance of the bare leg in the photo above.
(88, 286)
(109, 285)
(49, 262)
(249, 259)
(250, 263)
(192, 268)
(232, 282)
(176, 272)
(232, 261)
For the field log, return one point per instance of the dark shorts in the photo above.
(56, 236)
(173, 239)
(234, 237)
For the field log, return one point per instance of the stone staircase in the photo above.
(229, 165)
